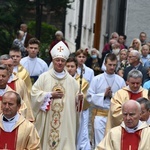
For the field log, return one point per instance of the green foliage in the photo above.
(15, 12)
(47, 31)
(11, 15)
(57, 5)
(47, 36)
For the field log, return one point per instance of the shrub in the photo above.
(47, 36)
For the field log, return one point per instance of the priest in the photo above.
(16, 133)
(132, 91)
(54, 97)
(18, 85)
(132, 134)
(4, 76)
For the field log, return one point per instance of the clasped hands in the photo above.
(108, 92)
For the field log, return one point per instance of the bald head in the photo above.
(131, 111)
(133, 104)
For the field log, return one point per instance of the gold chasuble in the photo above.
(84, 89)
(23, 136)
(24, 75)
(18, 85)
(23, 108)
(57, 126)
(119, 139)
(115, 114)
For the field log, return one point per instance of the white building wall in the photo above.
(71, 26)
(88, 22)
(103, 24)
(137, 19)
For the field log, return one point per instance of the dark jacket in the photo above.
(140, 68)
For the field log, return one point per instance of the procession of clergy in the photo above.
(48, 108)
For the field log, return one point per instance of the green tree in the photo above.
(47, 35)
(14, 12)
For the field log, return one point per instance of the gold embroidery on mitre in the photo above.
(57, 107)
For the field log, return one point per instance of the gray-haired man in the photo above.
(132, 91)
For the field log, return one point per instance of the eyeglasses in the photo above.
(131, 56)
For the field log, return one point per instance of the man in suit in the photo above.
(134, 60)
(27, 36)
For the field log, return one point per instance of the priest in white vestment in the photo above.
(54, 97)
(132, 134)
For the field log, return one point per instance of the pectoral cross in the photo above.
(60, 49)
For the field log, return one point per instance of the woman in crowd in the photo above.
(17, 42)
(123, 62)
(136, 44)
(94, 62)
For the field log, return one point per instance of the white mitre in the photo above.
(60, 50)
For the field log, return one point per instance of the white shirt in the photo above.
(24, 37)
(96, 91)
(88, 73)
(15, 69)
(148, 121)
(35, 66)
(129, 130)
(2, 91)
(11, 78)
(9, 126)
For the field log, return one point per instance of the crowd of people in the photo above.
(48, 107)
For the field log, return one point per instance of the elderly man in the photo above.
(59, 37)
(4, 76)
(27, 36)
(101, 89)
(18, 85)
(54, 98)
(132, 91)
(145, 108)
(134, 61)
(132, 134)
(145, 56)
(16, 133)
